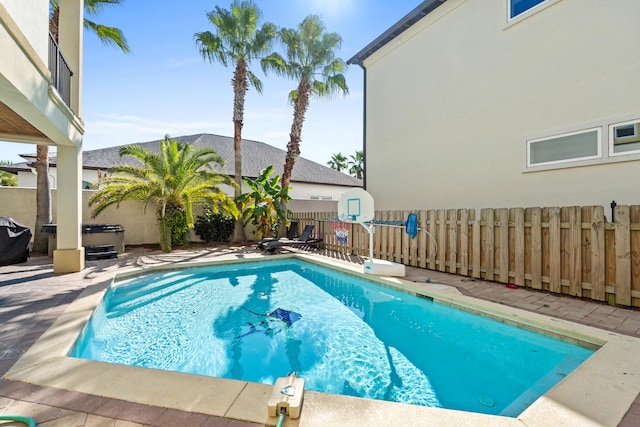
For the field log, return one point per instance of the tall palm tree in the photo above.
(108, 35)
(337, 162)
(176, 179)
(356, 164)
(237, 41)
(311, 61)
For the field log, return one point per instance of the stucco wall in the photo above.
(451, 102)
(32, 17)
(140, 227)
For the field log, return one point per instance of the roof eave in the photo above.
(400, 27)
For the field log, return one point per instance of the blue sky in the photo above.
(165, 87)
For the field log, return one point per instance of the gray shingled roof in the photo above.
(256, 156)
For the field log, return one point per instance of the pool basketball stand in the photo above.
(357, 204)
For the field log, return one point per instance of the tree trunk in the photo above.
(293, 147)
(240, 87)
(43, 200)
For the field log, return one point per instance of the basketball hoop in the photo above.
(341, 225)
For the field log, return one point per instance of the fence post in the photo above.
(433, 247)
(423, 239)
(518, 250)
(441, 224)
(397, 235)
(554, 250)
(536, 248)
(464, 242)
(575, 251)
(476, 245)
(623, 256)
(405, 257)
(503, 250)
(452, 231)
(597, 247)
(489, 251)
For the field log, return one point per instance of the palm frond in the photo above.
(108, 35)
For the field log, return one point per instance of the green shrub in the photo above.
(214, 227)
(177, 222)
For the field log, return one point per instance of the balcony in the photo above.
(60, 71)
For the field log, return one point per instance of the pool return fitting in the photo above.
(286, 398)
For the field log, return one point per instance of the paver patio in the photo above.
(32, 297)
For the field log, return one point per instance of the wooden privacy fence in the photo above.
(570, 250)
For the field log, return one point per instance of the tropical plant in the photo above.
(178, 225)
(356, 164)
(237, 41)
(7, 179)
(108, 35)
(174, 180)
(337, 162)
(92, 8)
(263, 204)
(214, 226)
(311, 61)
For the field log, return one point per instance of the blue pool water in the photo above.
(342, 334)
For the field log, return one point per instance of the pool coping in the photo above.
(598, 392)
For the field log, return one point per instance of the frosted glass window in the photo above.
(564, 148)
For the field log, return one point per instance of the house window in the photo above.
(624, 138)
(568, 147)
(518, 7)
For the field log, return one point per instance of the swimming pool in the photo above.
(341, 333)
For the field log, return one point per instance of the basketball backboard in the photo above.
(357, 205)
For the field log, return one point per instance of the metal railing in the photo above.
(60, 71)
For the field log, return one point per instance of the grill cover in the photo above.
(14, 241)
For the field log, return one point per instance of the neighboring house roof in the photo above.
(256, 156)
(401, 26)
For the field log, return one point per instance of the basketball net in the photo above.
(341, 226)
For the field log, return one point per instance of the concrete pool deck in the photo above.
(60, 391)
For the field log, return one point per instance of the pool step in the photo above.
(95, 252)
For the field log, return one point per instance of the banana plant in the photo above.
(262, 206)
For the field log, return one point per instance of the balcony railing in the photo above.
(60, 71)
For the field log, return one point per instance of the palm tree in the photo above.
(311, 61)
(108, 35)
(356, 164)
(238, 41)
(337, 162)
(262, 205)
(174, 180)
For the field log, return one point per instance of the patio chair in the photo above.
(304, 239)
(306, 233)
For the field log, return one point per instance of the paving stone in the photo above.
(29, 309)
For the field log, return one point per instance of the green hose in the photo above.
(283, 412)
(25, 420)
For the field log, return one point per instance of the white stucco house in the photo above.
(310, 180)
(504, 103)
(40, 102)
